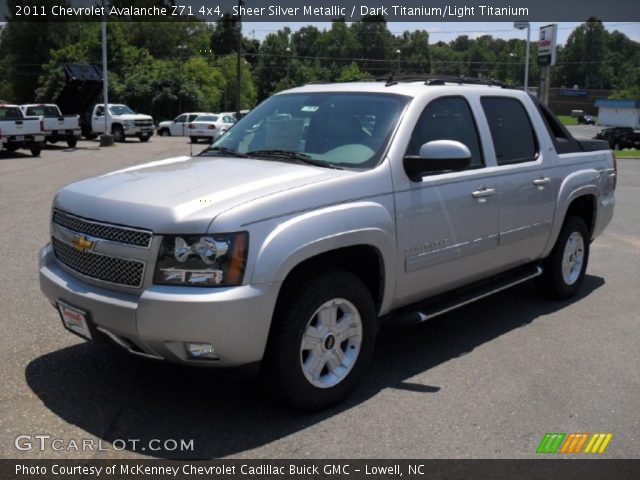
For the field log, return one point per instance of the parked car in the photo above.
(56, 126)
(123, 122)
(178, 126)
(287, 242)
(619, 137)
(586, 120)
(209, 127)
(18, 131)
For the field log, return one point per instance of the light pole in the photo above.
(288, 51)
(522, 26)
(239, 47)
(398, 52)
(106, 139)
(181, 48)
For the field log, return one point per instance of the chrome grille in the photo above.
(108, 269)
(143, 123)
(130, 236)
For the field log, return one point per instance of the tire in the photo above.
(72, 142)
(311, 375)
(90, 136)
(562, 277)
(144, 138)
(11, 148)
(35, 150)
(118, 133)
(194, 139)
(53, 141)
(164, 132)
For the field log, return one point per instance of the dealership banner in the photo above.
(320, 469)
(322, 10)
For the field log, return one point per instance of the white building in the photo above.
(618, 113)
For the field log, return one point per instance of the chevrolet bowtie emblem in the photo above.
(82, 243)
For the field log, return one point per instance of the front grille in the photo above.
(108, 269)
(143, 123)
(130, 236)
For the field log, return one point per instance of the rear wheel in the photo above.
(35, 150)
(11, 148)
(322, 340)
(72, 142)
(194, 139)
(144, 138)
(90, 136)
(565, 267)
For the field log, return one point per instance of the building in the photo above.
(618, 113)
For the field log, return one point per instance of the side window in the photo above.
(511, 130)
(180, 118)
(447, 118)
(100, 112)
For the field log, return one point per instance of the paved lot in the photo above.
(488, 380)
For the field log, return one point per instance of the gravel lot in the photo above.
(486, 381)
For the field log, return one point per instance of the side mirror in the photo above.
(437, 156)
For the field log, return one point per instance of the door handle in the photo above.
(482, 192)
(539, 182)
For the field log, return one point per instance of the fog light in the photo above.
(201, 350)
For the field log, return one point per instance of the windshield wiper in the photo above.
(291, 155)
(225, 151)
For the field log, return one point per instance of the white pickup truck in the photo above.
(56, 126)
(18, 131)
(123, 122)
(325, 211)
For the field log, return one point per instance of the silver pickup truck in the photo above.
(324, 212)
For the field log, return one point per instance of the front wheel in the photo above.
(144, 138)
(322, 340)
(118, 133)
(565, 267)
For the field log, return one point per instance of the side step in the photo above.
(426, 310)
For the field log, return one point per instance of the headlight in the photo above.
(128, 123)
(202, 260)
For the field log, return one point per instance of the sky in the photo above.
(447, 31)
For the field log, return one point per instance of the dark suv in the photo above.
(620, 137)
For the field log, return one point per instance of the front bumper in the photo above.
(134, 131)
(156, 324)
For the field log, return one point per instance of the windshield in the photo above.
(334, 128)
(120, 110)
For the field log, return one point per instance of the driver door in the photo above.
(447, 223)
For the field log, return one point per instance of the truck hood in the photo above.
(183, 194)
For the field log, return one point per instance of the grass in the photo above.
(569, 120)
(628, 153)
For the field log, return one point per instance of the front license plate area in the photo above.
(75, 320)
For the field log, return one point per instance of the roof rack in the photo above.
(440, 80)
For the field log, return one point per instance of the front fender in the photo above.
(305, 236)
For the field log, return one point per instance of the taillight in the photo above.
(191, 125)
(211, 127)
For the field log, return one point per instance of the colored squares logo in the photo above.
(555, 442)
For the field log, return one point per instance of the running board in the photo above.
(423, 311)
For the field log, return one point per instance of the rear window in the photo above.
(207, 118)
(10, 113)
(511, 130)
(43, 110)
